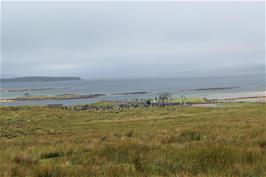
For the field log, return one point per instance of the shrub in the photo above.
(129, 134)
(48, 155)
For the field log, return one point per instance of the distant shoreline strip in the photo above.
(39, 78)
(207, 89)
(56, 97)
(131, 93)
(28, 89)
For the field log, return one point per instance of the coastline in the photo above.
(56, 97)
(256, 96)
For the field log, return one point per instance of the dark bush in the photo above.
(51, 155)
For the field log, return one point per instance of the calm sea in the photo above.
(112, 87)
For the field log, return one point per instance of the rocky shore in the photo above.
(142, 103)
(55, 97)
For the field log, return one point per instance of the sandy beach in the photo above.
(241, 97)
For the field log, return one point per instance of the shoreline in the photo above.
(56, 97)
(257, 96)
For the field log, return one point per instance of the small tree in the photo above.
(27, 95)
(164, 96)
(183, 99)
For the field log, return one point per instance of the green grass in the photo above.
(189, 100)
(227, 141)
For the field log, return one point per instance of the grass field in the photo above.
(228, 141)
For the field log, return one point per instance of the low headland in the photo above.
(39, 78)
(26, 90)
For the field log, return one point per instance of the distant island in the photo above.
(39, 78)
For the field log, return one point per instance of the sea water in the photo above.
(113, 88)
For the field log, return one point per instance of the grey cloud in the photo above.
(102, 39)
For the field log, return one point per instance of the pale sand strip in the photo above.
(244, 97)
(237, 95)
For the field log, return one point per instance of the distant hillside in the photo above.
(39, 78)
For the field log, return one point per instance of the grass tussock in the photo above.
(157, 142)
(48, 155)
(185, 136)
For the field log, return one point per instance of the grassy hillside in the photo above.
(175, 141)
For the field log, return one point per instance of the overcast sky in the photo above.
(130, 39)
